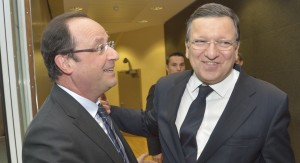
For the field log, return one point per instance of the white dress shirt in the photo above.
(92, 108)
(215, 105)
(88, 105)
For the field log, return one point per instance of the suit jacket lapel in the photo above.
(129, 152)
(237, 110)
(86, 123)
(174, 98)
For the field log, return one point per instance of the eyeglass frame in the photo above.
(217, 44)
(99, 48)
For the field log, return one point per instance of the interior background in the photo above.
(270, 38)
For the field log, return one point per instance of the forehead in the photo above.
(176, 59)
(213, 27)
(87, 29)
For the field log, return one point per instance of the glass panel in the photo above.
(15, 100)
(20, 68)
(3, 131)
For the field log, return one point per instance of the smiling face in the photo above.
(93, 73)
(212, 65)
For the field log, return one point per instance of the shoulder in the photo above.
(260, 87)
(175, 78)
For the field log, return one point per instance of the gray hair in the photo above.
(213, 10)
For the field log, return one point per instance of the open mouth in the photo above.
(109, 70)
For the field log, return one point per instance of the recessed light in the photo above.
(157, 8)
(142, 21)
(116, 8)
(76, 9)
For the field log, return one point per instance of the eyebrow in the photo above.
(101, 40)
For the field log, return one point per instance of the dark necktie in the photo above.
(191, 124)
(111, 133)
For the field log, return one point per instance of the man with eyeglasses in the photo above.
(235, 118)
(71, 126)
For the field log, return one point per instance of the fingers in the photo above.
(104, 102)
(157, 158)
(103, 97)
(141, 158)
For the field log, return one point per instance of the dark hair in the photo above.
(56, 40)
(179, 54)
(213, 10)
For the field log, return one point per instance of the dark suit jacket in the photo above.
(153, 143)
(252, 128)
(63, 131)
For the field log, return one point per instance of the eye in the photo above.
(224, 43)
(199, 42)
(101, 47)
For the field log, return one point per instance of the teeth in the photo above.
(107, 70)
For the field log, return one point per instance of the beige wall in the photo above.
(146, 51)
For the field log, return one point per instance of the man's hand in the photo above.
(157, 158)
(142, 157)
(104, 102)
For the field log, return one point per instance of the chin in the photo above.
(113, 83)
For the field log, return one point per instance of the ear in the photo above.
(167, 68)
(186, 50)
(237, 51)
(64, 63)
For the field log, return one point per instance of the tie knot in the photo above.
(101, 111)
(204, 90)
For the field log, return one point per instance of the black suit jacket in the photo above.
(63, 131)
(153, 143)
(252, 128)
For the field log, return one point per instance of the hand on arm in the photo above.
(157, 158)
(141, 159)
(104, 102)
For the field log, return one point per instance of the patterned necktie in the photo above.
(111, 133)
(191, 124)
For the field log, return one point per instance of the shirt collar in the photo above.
(89, 105)
(220, 88)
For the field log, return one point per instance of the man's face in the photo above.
(94, 73)
(212, 64)
(176, 64)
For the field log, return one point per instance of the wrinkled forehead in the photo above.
(213, 26)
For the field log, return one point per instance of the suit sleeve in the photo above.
(135, 121)
(46, 144)
(153, 142)
(277, 147)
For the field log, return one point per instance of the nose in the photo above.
(112, 54)
(211, 51)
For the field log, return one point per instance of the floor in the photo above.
(137, 144)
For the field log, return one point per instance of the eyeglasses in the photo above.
(100, 48)
(203, 44)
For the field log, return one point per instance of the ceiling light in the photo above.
(157, 8)
(76, 9)
(142, 21)
(116, 8)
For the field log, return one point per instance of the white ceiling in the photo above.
(123, 15)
